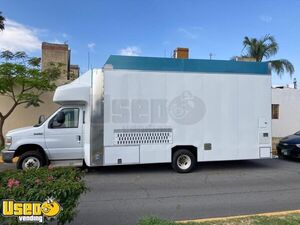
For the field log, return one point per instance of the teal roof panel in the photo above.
(187, 65)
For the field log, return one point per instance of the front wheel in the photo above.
(183, 161)
(30, 160)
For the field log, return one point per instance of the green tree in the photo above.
(263, 49)
(2, 19)
(22, 80)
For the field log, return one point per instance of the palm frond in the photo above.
(268, 38)
(264, 47)
(270, 46)
(282, 65)
(2, 19)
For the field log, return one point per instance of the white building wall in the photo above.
(289, 111)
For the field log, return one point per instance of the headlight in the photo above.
(8, 141)
(298, 145)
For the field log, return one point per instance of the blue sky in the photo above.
(152, 28)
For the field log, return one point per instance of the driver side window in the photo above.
(71, 119)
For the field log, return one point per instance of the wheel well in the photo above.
(191, 148)
(30, 147)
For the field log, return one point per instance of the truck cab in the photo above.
(59, 139)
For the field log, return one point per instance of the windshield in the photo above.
(42, 122)
(297, 133)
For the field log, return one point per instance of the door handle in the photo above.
(78, 138)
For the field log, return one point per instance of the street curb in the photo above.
(14, 159)
(281, 213)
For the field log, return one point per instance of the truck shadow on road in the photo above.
(201, 167)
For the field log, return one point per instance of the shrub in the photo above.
(65, 185)
(154, 221)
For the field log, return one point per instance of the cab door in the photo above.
(63, 134)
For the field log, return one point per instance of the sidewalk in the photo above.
(7, 166)
(239, 219)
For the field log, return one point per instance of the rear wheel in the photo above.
(183, 161)
(31, 160)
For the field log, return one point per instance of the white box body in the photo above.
(140, 108)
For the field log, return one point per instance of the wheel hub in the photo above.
(31, 162)
(184, 162)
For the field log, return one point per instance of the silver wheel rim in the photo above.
(184, 162)
(31, 163)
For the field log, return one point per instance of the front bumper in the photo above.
(288, 150)
(7, 156)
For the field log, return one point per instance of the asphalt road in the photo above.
(122, 195)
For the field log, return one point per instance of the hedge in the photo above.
(65, 185)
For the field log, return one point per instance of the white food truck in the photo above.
(139, 110)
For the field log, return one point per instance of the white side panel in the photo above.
(66, 163)
(265, 152)
(255, 113)
(220, 94)
(248, 117)
(121, 155)
(86, 135)
(155, 153)
(225, 110)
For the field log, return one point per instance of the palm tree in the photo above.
(2, 19)
(264, 48)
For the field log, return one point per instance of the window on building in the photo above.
(275, 111)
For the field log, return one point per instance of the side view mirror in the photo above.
(42, 119)
(60, 118)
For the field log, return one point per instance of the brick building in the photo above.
(59, 54)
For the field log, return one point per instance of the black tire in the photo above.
(31, 154)
(185, 166)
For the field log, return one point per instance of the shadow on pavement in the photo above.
(202, 166)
